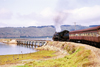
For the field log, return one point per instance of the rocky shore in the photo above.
(8, 41)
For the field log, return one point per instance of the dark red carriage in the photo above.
(90, 35)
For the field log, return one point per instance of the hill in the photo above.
(72, 27)
(93, 25)
(34, 31)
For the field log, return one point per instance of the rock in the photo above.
(13, 41)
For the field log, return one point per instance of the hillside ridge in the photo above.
(35, 31)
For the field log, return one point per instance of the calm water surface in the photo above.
(6, 49)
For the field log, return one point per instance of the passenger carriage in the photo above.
(90, 35)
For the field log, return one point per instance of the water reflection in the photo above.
(14, 49)
(13, 45)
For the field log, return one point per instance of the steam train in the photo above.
(89, 36)
(61, 36)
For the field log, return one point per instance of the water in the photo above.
(6, 49)
(38, 38)
(14, 49)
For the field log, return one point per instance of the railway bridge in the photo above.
(31, 43)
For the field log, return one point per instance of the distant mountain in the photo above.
(35, 31)
(27, 32)
(73, 27)
(93, 25)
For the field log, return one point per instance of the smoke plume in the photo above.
(59, 19)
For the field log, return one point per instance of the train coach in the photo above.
(90, 36)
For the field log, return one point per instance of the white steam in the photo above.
(59, 19)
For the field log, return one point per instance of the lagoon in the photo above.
(8, 49)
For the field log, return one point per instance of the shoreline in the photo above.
(65, 49)
(14, 49)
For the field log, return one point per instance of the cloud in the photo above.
(47, 12)
(73, 4)
(84, 15)
(83, 12)
(3, 24)
(5, 14)
(87, 12)
(45, 17)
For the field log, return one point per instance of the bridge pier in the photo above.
(30, 44)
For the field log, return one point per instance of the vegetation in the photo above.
(79, 57)
(5, 59)
(33, 31)
(26, 32)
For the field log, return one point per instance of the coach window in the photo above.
(79, 34)
(99, 33)
(76, 34)
(90, 34)
(95, 34)
(83, 34)
(73, 34)
(70, 35)
(86, 34)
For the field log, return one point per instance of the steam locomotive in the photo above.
(61, 36)
(89, 36)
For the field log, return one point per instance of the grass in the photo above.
(5, 59)
(79, 57)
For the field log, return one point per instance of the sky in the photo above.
(24, 13)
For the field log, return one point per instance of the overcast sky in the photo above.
(24, 13)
